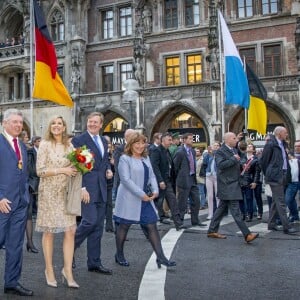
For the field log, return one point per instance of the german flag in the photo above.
(47, 82)
(257, 112)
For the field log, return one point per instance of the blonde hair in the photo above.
(49, 136)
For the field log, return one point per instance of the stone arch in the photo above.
(111, 114)
(236, 123)
(162, 121)
(11, 22)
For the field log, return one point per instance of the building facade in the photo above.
(171, 49)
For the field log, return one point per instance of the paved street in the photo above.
(206, 268)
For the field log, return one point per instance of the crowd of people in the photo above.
(149, 182)
(12, 41)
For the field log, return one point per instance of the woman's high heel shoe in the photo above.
(71, 284)
(32, 249)
(165, 262)
(50, 283)
(123, 263)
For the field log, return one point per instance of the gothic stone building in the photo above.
(170, 47)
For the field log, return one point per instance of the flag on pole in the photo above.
(236, 85)
(257, 113)
(47, 82)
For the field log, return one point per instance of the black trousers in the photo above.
(168, 194)
(192, 193)
(234, 208)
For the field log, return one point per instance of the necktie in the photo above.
(97, 144)
(191, 162)
(17, 149)
(284, 167)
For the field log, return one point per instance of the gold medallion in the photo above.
(20, 165)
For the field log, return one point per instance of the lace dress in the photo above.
(51, 216)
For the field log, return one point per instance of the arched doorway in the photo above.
(182, 120)
(114, 126)
(276, 117)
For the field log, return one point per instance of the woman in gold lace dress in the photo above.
(54, 168)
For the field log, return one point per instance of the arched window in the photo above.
(57, 26)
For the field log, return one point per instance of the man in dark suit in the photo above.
(162, 165)
(95, 191)
(186, 183)
(14, 199)
(156, 142)
(276, 168)
(229, 191)
(33, 191)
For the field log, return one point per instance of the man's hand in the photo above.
(252, 185)
(162, 185)
(237, 157)
(85, 196)
(4, 206)
(240, 136)
(109, 174)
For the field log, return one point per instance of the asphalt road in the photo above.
(210, 269)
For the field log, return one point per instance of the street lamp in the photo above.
(130, 95)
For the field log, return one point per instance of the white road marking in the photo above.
(153, 282)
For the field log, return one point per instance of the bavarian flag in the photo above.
(257, 112)
(47, 82)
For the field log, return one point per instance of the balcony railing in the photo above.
(11, 52)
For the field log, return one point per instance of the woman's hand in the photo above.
(69, 171)
(150, 198)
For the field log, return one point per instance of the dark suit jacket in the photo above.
(228, 174)
(33, 178)
(182, 167)
(162, 164)
(272, 162)
(95, 180)
(116, 155)
(13, 181)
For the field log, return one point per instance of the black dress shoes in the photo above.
(32, 248)
(18, 290)
(290, 231)
(100, 269)
(179, 227)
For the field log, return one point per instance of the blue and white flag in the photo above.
(236, 84)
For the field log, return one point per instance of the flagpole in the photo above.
(221, 78)
(245, 110)
(31, 67)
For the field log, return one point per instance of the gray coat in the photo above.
(130, 192)
(228, 175)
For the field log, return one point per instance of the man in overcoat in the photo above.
(276, 168)
(229, 190)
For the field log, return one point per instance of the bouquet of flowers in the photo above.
(82, 159)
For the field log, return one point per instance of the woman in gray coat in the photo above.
(134, 203)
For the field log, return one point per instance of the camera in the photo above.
(149, 190)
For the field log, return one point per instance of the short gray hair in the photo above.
(11, 111)
(278, 129)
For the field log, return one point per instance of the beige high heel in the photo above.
(50, 283)
(71, 284)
